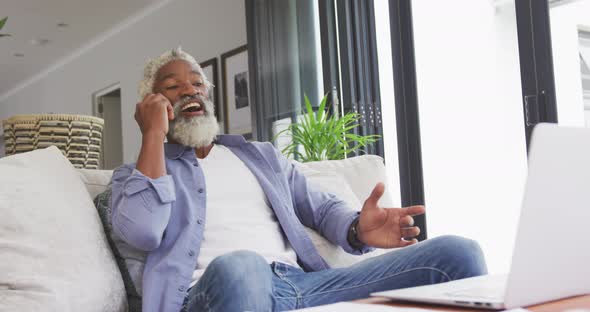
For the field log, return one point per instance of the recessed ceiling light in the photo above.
(39, 41)
(19, 54)
(63, 25)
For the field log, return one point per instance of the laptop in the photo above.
(551, 257)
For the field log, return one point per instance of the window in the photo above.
(471, 125)
(584, 38)
(571, 53)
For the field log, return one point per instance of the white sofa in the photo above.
(55, 255)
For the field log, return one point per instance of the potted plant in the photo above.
(323, 136)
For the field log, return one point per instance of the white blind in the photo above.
(584, 47)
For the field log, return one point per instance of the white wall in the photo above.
(473, 143)
(204, 28)
(565, 20)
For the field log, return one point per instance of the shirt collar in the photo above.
(230, 139)
(175, 151)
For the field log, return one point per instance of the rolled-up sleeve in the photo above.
(141, 207)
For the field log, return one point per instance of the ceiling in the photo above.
(88, 21)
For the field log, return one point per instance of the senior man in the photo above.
(222, 220)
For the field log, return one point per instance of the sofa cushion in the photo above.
(96, 181)
(130, 260)
(361, 173)
(55, 256)
(351, 180)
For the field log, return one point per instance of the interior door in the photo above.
(108, 107)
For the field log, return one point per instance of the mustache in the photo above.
(190, 99)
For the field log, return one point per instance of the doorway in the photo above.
(107, 105)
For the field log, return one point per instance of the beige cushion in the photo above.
(96, 181)
(55, 256)
(351, 180)
(361, 173)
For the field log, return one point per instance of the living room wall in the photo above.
(204, 28)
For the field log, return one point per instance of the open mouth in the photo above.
(192, 108)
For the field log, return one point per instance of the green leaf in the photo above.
(310, 114)
(322, 107)
(321, 136)
(3, 21)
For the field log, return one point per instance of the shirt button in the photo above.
(199, 221)
(181, 288)
(191, 253)
(200, 190)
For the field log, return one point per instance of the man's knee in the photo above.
(237, 281)
(462, 254)
(239, 267)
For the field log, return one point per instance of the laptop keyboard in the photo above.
(487, 293)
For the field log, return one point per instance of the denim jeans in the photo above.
(243, 280)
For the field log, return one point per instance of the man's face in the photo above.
(195, 123)
(177, 79)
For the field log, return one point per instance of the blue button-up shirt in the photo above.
(166, 216)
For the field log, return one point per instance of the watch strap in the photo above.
(353, 239)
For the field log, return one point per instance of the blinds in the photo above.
(584, 47)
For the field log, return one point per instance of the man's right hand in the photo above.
(152, 115)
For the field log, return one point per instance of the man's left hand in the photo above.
(387, 227)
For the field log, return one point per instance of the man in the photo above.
(222, 219)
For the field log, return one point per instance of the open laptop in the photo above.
(551, 257)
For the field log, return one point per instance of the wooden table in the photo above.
(581, 302)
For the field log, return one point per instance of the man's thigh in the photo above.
(432, 261)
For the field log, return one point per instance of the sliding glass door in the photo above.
(570, 33)
(472, 131)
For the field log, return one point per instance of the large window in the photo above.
(455, 87)
(387, 98)
(473, 140)
(585, 71)
(316, 48)
(570, 34)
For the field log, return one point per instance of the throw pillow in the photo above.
(131, 261)
(55, 256)
(361, 173)
(327, 176)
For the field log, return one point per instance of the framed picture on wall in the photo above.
(236, 97)
(211, 72)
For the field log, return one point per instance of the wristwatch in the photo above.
(353, 238)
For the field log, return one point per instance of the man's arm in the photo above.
(141, 207)
(142, 197)
(152, 116)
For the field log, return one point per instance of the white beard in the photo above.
(195, 131)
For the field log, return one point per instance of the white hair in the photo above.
(146, 85)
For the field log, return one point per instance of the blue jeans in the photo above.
(243, 280)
